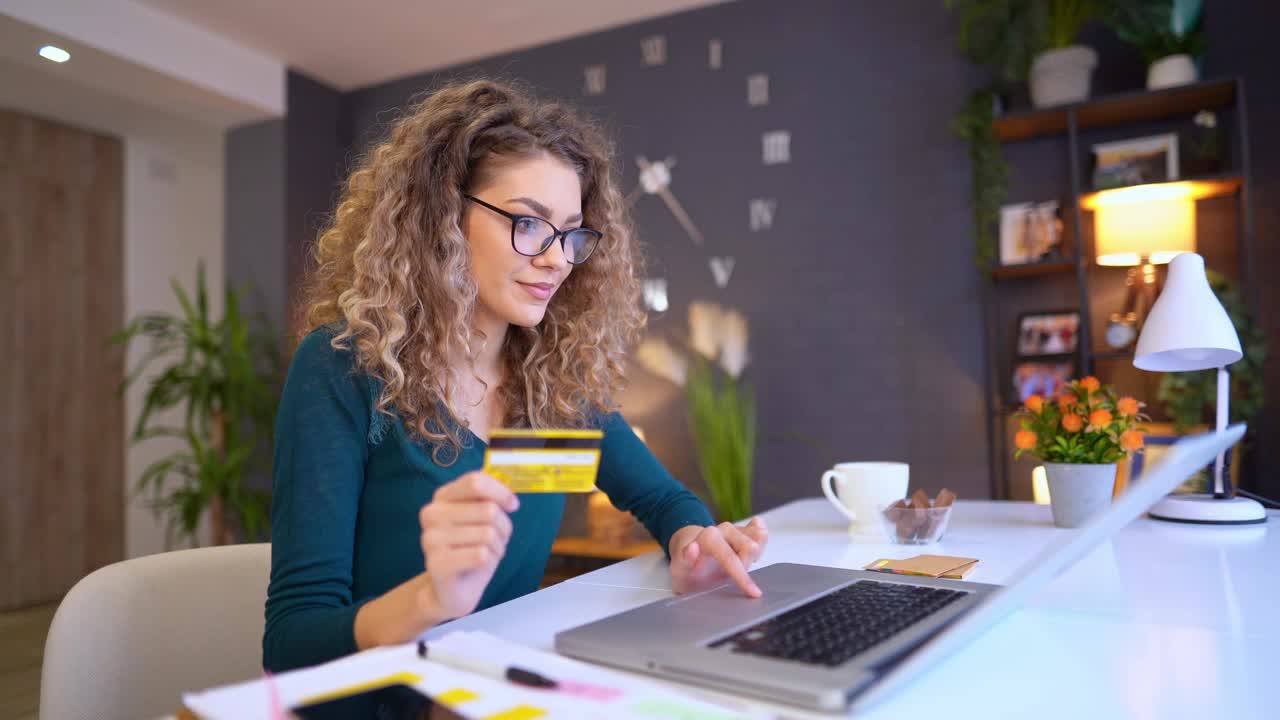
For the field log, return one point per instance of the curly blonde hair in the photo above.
(392, 266)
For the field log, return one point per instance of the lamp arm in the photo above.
(1221, 487)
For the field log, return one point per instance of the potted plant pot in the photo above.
(1079, 491)
(1170, 71)
(1062, 75)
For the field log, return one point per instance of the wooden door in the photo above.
(61, 297)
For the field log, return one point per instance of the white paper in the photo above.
(638, 699)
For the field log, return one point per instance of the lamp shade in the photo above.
(1187, 329)
(1146, 223)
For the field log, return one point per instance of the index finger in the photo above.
(478, 485)
(719, 549)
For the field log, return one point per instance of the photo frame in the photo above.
(1158, 439)
(1136, 161)
(1045, 378)
(1047, 333)
(1030, 232)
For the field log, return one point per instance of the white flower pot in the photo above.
(1077, 492)
(1170, 71)
(1062, 76)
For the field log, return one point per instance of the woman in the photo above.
(453, 296)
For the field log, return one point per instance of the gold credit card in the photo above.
(532, 461)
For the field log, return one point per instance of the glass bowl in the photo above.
(914, 526)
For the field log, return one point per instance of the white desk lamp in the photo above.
(1188, 329)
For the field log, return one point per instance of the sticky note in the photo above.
(519, 712)
(955, 568)
(455, 697)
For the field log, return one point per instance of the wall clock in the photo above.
(659, 169)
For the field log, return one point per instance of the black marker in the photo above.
(516, 675)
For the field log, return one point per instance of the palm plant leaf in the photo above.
(225, 376)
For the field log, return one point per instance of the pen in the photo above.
(516, 675)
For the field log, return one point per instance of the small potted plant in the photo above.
(1032, 40)
(1080, 436)
(1165, 32)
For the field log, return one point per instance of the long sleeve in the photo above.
(318, 474)
(636, 482)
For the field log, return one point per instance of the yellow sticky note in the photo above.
(519, 712)
(455, 697)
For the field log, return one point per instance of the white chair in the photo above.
(131, 637)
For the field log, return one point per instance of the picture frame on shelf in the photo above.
(1046, 377)
(1030, 232)
(1048, 333)
(1136, 161)
(1159, 438)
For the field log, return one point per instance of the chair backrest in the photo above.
(131, 637)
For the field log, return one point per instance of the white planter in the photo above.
(1077, 492)
(1170, 71)
(1062, 76)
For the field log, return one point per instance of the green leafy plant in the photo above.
(1157, 28)
(1007, 35)
(989, 171)
(722, 409)
(223, 374)
(1191, 398)
(1086, 423)
(1004, 36)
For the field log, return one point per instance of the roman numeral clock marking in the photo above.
(655, 175)
(655, 294)
(758, 90)
(722, 270)
(760, 212)
(593, 80)
(653, 50)
(776, 147)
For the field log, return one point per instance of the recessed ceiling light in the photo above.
(56, 54)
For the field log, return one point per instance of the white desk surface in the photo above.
(1164, 621)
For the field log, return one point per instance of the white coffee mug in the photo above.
(862, 488)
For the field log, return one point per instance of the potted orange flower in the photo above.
(1080, 436)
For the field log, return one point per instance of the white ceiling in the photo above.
(351, 44)
(103, 92)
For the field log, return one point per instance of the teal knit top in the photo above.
(349, 482)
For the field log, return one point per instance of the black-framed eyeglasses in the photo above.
(531, 235)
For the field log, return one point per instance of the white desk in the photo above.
(1165, 621)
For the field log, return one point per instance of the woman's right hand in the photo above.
(465, 529)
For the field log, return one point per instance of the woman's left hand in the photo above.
(702, 557)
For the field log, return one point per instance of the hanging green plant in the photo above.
(990, 172)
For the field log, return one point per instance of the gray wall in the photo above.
(862, 298)
(316, 139)
(1241, 41)
(256, 219)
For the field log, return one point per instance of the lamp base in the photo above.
(1208, 510)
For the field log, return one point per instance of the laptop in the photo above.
(832, 638)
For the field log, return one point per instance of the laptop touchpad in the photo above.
(729, 603)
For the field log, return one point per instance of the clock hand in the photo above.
(655, 179)
(678, 210)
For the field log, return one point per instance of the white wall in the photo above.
(148, 57)
(169, 90)
(173, 216)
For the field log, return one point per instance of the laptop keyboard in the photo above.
(835, 627)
